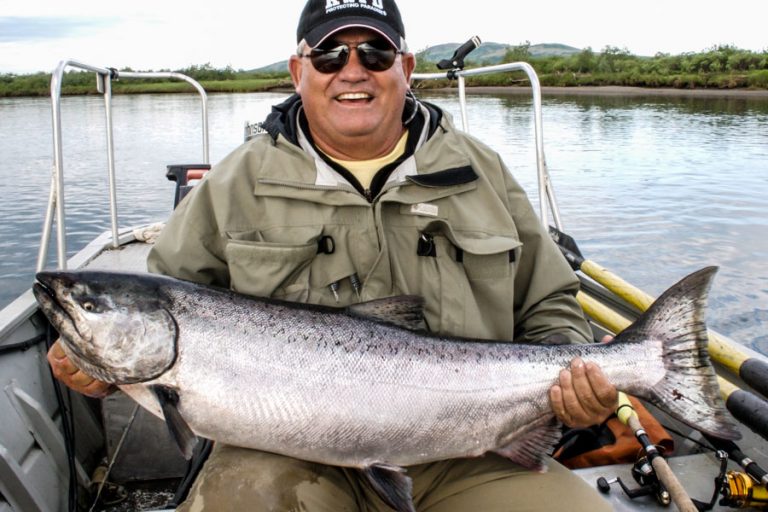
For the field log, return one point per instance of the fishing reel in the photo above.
(741, 491)
(734, 489)
(645, 476)
(738, 490)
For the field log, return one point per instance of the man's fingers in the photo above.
(573, 413)
(584, 393)
(605, 392)
(57, 352)
(64, 370)
(556, 401)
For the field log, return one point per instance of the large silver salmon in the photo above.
(360, 387)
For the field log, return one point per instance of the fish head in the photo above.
(114, 327)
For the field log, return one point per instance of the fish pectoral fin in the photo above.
(530, 447)
(392, 485)
(185, 439)
(406, 311)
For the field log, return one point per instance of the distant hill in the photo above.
(492, 53)
(487, 53)
(277, 67)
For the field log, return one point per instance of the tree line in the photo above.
(721, 67)
(81, 82)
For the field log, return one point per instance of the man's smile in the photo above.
(354, 97)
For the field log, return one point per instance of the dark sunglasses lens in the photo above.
(331, 60)
(376, 58)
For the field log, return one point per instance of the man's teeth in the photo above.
(353, 96)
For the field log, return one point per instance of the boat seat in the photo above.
(186, 176)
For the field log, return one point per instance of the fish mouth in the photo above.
(50, 304)
(45, 295)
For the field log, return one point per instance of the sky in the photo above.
(172, 34)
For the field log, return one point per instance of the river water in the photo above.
(651, 188)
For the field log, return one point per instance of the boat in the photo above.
(60, 451)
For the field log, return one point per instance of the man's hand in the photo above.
(73, 377)
(583, 396)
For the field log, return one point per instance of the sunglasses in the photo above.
(377, 55)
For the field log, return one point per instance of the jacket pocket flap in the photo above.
(476, 242)
(260, 268)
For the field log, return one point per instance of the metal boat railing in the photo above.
(547, 199)
(104, 77)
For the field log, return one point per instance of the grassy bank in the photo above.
(76, 83)
(721, 68)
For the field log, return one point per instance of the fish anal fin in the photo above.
(392, 485)
(530, 448)
(406, 311)
(177, 426)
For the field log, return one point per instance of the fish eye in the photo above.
(89, 306)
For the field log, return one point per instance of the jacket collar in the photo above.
(287, 119)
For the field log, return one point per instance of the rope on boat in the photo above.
(114, 456)
(148, 234)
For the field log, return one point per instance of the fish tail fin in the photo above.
(689, 390)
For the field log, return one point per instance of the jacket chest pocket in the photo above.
(466, 278)
(271, 268)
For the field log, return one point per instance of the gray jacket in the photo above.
(446, 222)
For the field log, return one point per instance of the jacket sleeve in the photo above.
(545, 303)
(191, 246)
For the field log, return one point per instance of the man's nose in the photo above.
(354, 69)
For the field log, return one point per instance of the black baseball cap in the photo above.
(321, 18)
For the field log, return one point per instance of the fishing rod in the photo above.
(735, 489)
(627, 415)
(751, 467)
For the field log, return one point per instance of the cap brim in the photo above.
(320, 33)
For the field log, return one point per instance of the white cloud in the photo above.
(153, 34)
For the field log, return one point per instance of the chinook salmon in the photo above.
(363, 386)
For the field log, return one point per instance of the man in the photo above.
(359, 191)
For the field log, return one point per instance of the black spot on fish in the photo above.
(677, 395)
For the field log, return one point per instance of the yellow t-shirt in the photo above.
(365, 170)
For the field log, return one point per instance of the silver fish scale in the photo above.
(348, 391)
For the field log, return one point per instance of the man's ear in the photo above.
(296, 67)
(409, 64)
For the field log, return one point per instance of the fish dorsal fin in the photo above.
(530, 448)
(406, 311)
(392, 485)
(177, 426)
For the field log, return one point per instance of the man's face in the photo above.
(354, 102)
